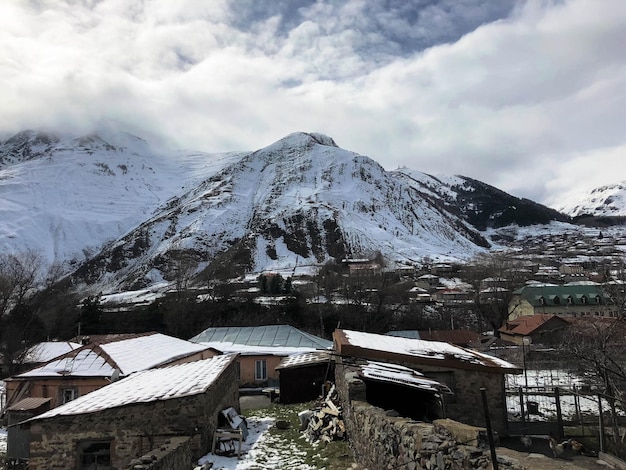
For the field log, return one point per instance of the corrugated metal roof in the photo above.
(304, 359)
(263, 336)
(28, 404)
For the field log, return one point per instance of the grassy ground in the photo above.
(287, 449)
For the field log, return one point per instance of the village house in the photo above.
(97, 364)
(540, 328)
(169, 414)
(463, 371)
(260, 349)
(453, 296)
(577, 300)
(429, 282)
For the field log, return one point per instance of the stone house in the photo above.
(141, 414)
(260, 349)
(97, 364)
(577, 300)
(462, 370)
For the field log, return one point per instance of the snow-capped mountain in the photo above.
(605, 201)
(66, 197)
(122, 212)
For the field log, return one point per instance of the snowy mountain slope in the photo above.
(122, 213)
(300, 201)
(605, 201)
(480, 204)
(65, 197)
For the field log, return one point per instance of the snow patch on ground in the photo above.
(260, 451)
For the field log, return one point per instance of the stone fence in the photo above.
(382, 440)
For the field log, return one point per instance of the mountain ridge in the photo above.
(124, 213)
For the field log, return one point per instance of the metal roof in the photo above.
(264, 336)
(28, 404)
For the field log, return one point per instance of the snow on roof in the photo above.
(385, 372)
(247, 350)
(271, 336)
(430, 351)
(304, 359)
(190, 378)
(127, 356)
(43, 352)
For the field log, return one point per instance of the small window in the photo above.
(570, 300)
(68, 394)
(598, 299)
(557, 301)
(542, 300)
(260, 370)
(584, 300)
(94, 455)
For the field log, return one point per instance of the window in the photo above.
(260, 370)
(68, 394)
(94, 455)
(583, 299)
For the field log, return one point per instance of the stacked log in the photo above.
(325, 421)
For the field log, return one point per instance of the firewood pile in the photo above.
(324, 422)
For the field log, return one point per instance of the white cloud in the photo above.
(522, 102)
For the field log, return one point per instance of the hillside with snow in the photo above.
(121, 213)
(66, 197)
(604, 201)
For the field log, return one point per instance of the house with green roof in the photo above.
(260, 349)
(566, 300)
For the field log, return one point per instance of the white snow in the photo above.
(83, 196)
(181, 380)
(245, 350)
(399, 374)
(420, 348)
(46, 351)
(126, 356)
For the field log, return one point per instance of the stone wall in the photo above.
(382, 441)
(174, 454)
(135, 429)
(467, 406)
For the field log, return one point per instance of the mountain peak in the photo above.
(305, 139)
(27, 145)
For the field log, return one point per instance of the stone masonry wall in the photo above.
(174, 454)
(382, 441)
(135, 429)
(468, 405)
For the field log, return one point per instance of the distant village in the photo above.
(428, 342)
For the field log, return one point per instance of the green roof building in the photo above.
(566, 300)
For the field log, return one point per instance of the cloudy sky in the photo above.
(529, 96)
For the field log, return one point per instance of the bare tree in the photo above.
(494, 278)
(22, 276)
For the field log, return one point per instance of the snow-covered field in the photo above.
(541, 385)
